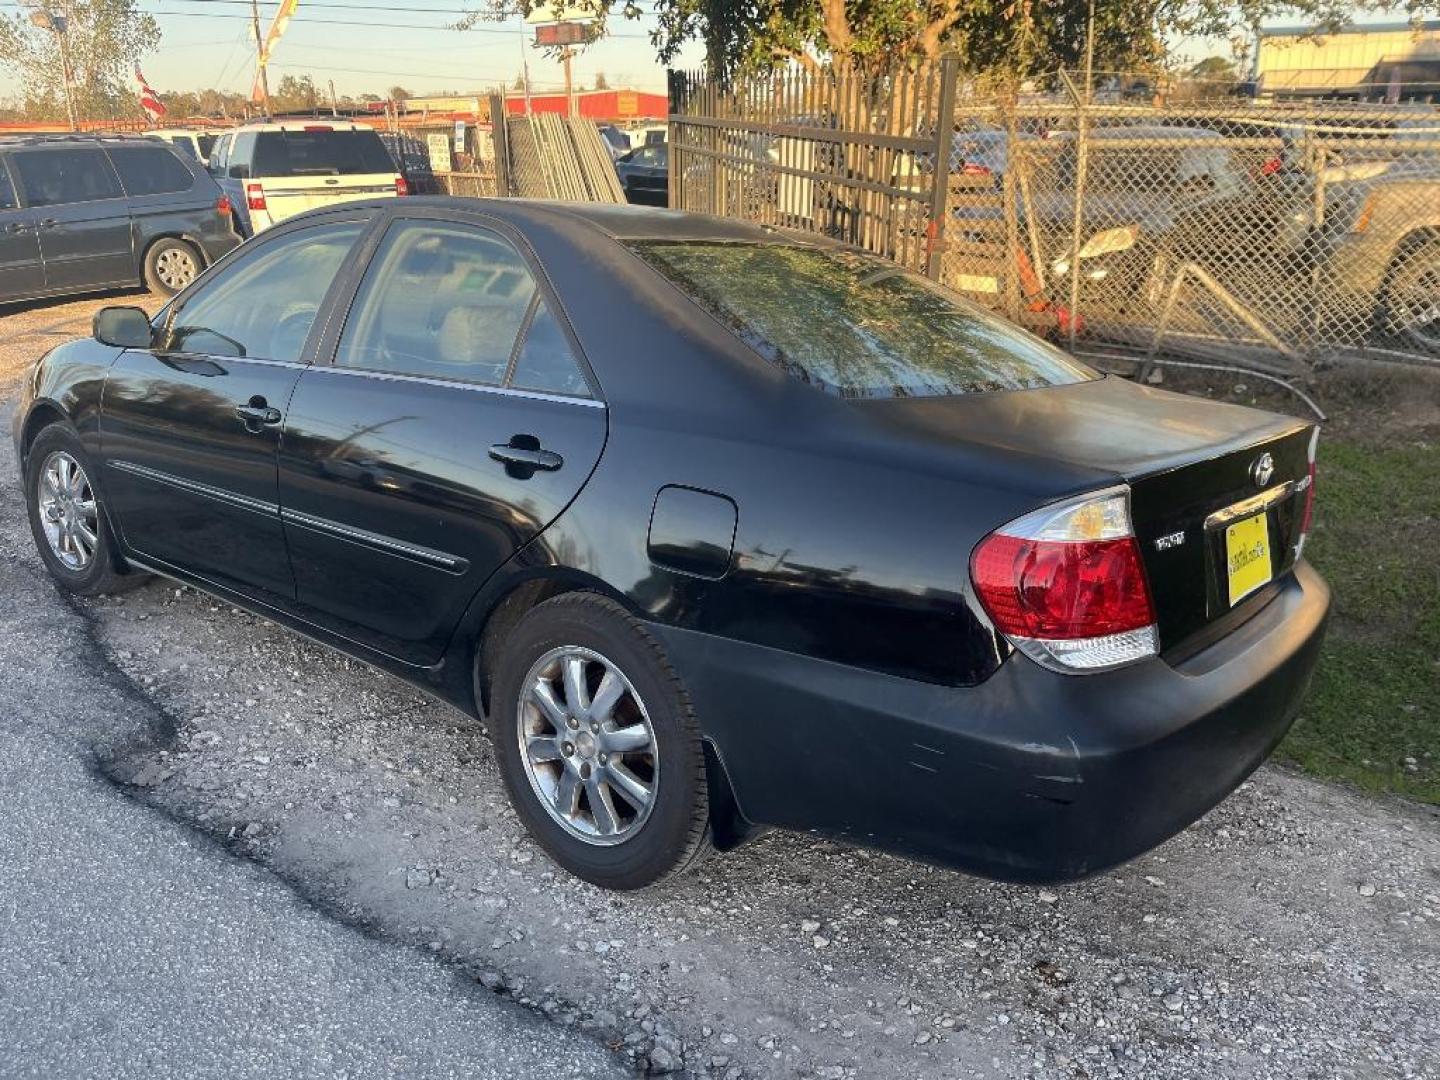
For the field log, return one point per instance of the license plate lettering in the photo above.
(1247, 556)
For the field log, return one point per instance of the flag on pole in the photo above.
(265, 48)
(149, 100)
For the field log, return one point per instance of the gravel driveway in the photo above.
(1294, 932)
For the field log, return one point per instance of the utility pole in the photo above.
(334, 102)
(58, 25)
(565, 56)
(259, 49)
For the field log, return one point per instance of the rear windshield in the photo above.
(321, 152)
(856, 326)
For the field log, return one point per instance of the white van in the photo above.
(273, 171)
(195, 142)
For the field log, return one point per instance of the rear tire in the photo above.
(170, 265)
(68, 519)
(1413, 296)
(598, 745)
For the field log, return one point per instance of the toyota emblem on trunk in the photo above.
(1262, 470)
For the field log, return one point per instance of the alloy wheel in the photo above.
(587, 745)
(68, 515)
(175, 268)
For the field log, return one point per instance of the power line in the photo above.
(509, 31)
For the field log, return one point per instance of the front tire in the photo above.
(68, 519)
(598, 746)
(171, 265)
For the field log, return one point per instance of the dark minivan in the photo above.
(85, 213)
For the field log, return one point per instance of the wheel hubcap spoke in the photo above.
(68, 515)
(589, 754)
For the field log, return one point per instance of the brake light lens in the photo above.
(402, 186)
(254, 197)
(223, 207)
(972, 169)
(1066, 585)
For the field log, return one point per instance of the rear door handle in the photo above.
(257, 416)
(526, 458)
(48, 223)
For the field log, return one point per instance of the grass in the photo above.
(1375, 699)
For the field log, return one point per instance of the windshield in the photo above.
(320, 152)
(857, 326)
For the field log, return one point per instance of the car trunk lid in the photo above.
(1193, 471)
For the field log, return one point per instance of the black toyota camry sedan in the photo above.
(717, 527)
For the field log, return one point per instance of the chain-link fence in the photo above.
(1277, 234)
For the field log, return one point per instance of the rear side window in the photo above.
(7, 189)
(206, 142)
(59, 176)
(545, 361)
(151, 170)
(183, 144)
(855, 326)
(320, 152)
(441, 301)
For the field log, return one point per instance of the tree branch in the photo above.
(837, 28)
(931, 36)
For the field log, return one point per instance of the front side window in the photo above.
(60, 176)
(150, 170)
(320, 152)
(265, 302)
(856, 326)
(439, 300)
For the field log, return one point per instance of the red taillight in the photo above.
(402, 186)
(1271, 166)
(971, 169)
(1307, 515)
(1067, 587)
(254, 197)
(223, 207)
(1062, 590)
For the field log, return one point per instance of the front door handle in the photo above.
(257, 415)
(523, 455)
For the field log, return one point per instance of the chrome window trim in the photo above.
(454, 564)
(257, 506)
(458, 384)
(1256, 503)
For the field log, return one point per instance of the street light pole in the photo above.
(57, 25)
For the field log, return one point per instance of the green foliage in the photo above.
(294, 94)
(1375, 700)
(1021, 37)
(104, 40)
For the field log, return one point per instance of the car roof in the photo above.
(308, 123)
(619, 221)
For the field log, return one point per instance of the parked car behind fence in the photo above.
(1281, 233)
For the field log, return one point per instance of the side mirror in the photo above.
(239, 172)
(122, 327)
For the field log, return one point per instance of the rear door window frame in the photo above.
(327, 345)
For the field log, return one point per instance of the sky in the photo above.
(208, 44)
(370, 46)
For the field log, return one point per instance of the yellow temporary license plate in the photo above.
(1247, 556)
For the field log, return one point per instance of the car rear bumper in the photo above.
(1030, 776)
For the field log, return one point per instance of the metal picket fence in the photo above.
(1282, 235)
